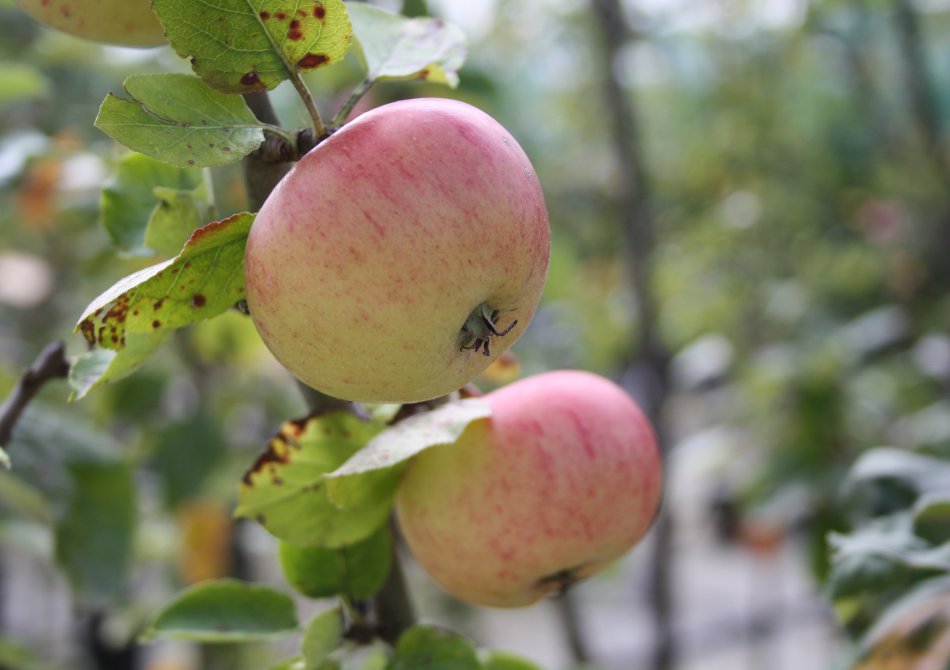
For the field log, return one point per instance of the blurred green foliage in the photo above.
(802, 222)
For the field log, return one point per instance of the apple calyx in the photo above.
(558, 583)
(480, 327)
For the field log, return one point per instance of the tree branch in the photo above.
(50, 364)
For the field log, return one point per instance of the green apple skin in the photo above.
(563, 479)
(368, 257)
(121, 22)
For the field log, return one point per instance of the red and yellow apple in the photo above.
(122, 22)
(560, 481)
(402, 255)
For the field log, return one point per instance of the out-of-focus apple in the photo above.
(563, 479)
(121, 22)
(402, 255)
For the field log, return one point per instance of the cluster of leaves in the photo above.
(229, 611)
(890, 577)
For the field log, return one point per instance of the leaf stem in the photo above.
(318, 128)
(351, 102)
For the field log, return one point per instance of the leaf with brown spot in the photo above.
(285, 486)
(144, 306)
(237, 46)
(177, 119)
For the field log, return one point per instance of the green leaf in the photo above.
(94, 532)
(395, 47)
(20, 81)
(295, 663)
(429, 648)
(371, 475)
(204, 280)
(177, 119)
(358, 570)
(499, 660)
(238, 47)
(932, 517)
(176, 216)
(285, 489)
(4, 458)
(225, 610)
(323, 635)
(128, 201)
(101, 366)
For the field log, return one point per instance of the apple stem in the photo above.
(350, 103)
(319, 130)
(480, 327)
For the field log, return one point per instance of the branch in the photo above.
(50, 364)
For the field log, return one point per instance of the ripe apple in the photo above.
(123, 22)
(560, 481)
(402, 255)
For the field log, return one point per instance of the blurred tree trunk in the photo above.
(649, 372)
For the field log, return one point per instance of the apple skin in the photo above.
(369, 256)
(121, 22)
(564, 478)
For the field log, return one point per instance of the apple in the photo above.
(123, 22)
(560, 481)
(402, 255)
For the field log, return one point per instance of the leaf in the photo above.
(94, 532)
(932, 517)
(323, 635)
(237, 46)
(225, 610)
(19, 81)
(921, 472)
(285, 489)
(371, 474)
(499, 660)
(177, 119)
(358, 570)
(204, 280)
(129, 200)
(295, 663)
(176, 216)
(914, 632)
(101, 366)
(396, 47)
(4, 458)
(430, 648)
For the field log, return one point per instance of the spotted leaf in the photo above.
(238, 46)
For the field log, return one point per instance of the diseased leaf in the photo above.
(285, 490)
(177, 119)
(204, 280)
(101, 366)
(237, 46)
(373, 472)
(225, 610)
(129, 199)
(396, 47)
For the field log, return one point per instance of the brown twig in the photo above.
(50, 364)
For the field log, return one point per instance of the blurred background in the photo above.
(750, 202)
